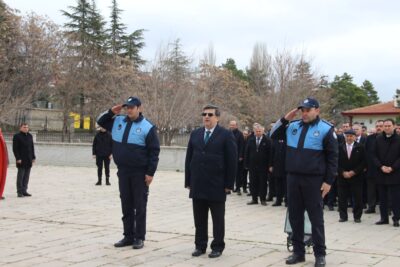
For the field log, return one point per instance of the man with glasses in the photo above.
(311, 166)
(24, 152)
(135, 152)
(210, 170)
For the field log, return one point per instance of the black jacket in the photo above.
(356, 163)
(278, 155)
(239, 142)
(211, 167)
(372, 170)
(258, 159)
(102, 144)
(387, 153)
(23, 149)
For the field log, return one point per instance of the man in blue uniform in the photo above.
(135, 150)
(311, 166)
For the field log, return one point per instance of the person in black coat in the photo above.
(102, 152)
(352, 161)
(372, 170)
(257, 160)
(210, 169)
(233, 126)
(24, 152)
(386, 158)
(277, 169)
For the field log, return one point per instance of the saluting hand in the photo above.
(291, 115)
(116, 109)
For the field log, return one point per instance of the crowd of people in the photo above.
(304, 164)
(362, 183)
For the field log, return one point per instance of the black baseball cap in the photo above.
(309, 102)
(350, 131)
(132, 101)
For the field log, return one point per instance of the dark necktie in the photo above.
(207, 137)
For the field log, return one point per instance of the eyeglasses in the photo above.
(207, 114)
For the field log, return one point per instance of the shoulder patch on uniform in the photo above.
(294, 131)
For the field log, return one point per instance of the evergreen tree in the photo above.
(97, 32)
(116, 31)
(369, 90)
(132, 44)
(230, 64)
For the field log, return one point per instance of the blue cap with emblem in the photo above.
(132, 101)
(309, 103)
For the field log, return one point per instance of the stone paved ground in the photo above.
(70, 222)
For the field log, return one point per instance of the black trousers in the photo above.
(346, 190)
(258, 184)
(280, 188)
(133, 193)
(393, 192)
(304, 194)
(100, 161)
(241, 181)
(372, 192)
(245, 174)
(271, 186)
(332, 195)
(200, 214)
(23, 179)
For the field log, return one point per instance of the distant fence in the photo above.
(180, 140)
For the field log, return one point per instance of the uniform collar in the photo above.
(139, 119)
(312, 123)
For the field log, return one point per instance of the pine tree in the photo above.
(132, 44)
(98, 34)
(369, 90)
(116, 31)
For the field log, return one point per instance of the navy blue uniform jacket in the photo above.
(135, 143)
(211, 167)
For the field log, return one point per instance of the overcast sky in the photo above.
(360, 37)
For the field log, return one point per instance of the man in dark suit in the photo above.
(352, 161)
(233, 126)
(257, 160)
(277, 169)
(386, 158)
(372, 170)
(210, 169)
(24, 153)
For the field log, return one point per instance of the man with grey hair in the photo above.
(257, 160)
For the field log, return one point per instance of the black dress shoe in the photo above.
(264, 203)
(357, 220)
(248, 194)
(239, 193)
(138, 244)
(123, 243)
(294, 258)
(26, 194)
(215, 254)
(277, 204)
(382, 222)
(2, 198)
(197, 252)
(342, 220)
(269, 199)
(245, 191)
(369, 211)
(98, 183)
(20, 195)
(320, 261)
(252, 202)
(395, 223)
